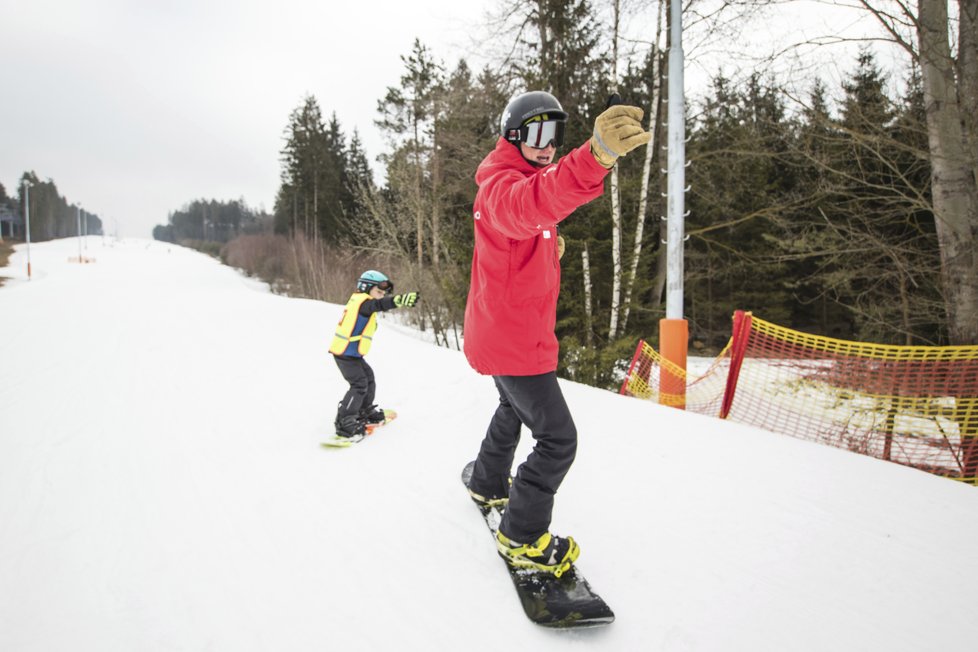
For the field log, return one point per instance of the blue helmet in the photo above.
(373, 278)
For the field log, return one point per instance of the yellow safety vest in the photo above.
(344, 330)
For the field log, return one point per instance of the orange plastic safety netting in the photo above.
(913, 405)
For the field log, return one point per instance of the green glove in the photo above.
(617, 131)
(406, 300)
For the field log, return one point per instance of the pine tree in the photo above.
(358, 180)
(336, 200)
(305, 160)
(863, 253)
(739, 190)
(407, 113)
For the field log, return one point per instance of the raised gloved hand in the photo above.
(560, 247)
(406, 300)
(617, 131)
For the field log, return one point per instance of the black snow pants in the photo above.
(362, 390)
(537, 402)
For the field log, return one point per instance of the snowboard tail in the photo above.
(558, 602)
(389, 415)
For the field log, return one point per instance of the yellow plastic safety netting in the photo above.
(913, 405)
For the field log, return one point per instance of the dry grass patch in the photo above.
(6, 249)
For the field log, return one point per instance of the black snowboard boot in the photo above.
(549, 553)
(350, 427)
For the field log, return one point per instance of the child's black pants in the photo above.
(358, 373)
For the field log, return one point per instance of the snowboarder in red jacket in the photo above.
(512, 305)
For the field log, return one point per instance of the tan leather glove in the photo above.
(617, 131)
(560, 247)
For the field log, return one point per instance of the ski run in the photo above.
(163, 487)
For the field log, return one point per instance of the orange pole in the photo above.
(673, 344)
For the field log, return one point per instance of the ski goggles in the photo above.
(539, 134)
(386, 286)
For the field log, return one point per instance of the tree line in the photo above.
(211, 220)
(51, 216)
(824, 212)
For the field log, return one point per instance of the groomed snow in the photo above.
(162, 487)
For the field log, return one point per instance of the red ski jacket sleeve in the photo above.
(511, 309)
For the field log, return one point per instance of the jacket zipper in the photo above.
(556, 247)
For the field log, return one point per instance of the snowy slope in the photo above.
(162, 488)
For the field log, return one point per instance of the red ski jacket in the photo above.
(512, 304)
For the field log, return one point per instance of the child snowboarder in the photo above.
(351, 342)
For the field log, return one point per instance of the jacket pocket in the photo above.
(533, 268)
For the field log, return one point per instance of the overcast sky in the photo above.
(137, 107)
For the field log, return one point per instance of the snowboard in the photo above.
(561, 603)
(346, 442)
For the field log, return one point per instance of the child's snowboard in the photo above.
(345, 442)
(563, 602)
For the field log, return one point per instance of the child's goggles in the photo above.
(386, 286)
(539, 134)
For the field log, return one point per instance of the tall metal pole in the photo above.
(673, 330)
(27, 219)
(676, 166)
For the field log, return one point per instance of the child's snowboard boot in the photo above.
(351, 428)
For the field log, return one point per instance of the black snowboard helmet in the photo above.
(524, 108)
